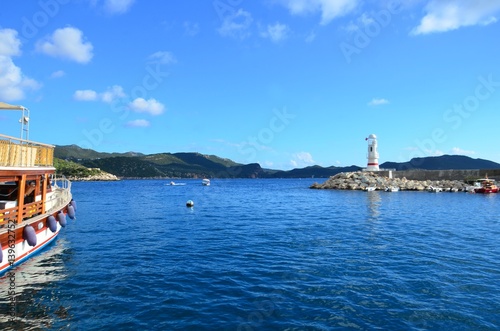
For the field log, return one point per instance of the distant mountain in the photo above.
(196, 165)
(444, 162)
(75, 152)
(313, 171)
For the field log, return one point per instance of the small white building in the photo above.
(372, 155)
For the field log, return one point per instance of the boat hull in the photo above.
(15, 248)
(486, 190)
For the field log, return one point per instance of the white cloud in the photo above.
(85, 95)
(150, 106)
(118, 6)
(10, 45)
(13, 83)
(113, 93)
(138, 124)
(378, 102)
(301, 160)
(447, 15)
(67, 43)
(57, 74)
(329, 9)
(266, 164)
(276, 32)
(437, 152)
(459, 151)
(162, 57)
(108, 96)
(236, 25)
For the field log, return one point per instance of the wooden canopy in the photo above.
(6, 106)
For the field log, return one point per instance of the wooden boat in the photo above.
(487, 186)
(34, 202)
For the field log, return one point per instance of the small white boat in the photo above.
(392, 189)
(433, 189)
(205, 182)
(370, 188)
(176, 184)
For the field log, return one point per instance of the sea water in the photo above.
(263, 254)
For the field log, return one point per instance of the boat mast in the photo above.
(25, 118)
(25, 124)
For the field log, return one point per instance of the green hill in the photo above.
(75, 152)
(197, 165)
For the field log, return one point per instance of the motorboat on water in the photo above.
(370, 188)
(34, 202)
(392, 189)
(205, 182)
(176, 184)
(487, 185)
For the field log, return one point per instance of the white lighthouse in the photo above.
(372, 153)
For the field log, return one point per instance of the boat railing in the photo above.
(16, 152)
(59, 197)
(62, 188)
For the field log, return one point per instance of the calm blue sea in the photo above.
(264, 255)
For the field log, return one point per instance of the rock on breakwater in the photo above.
(102, 176)
(360, 180)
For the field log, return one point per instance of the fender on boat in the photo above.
(73, 203)
(1, 254)
(51, 223)
(29, 235)
(61, 218)
(71, 212)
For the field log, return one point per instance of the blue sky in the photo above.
(285, 83)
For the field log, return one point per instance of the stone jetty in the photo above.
(360, 180)
(102, 176)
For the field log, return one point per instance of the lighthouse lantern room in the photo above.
(372, 153)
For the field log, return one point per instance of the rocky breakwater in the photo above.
(102, 176)
(360, 180)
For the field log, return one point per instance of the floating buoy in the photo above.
(29, 235)
(73, 203)
(71, 212)
(61, 218)
(52, 223)
(189, 203)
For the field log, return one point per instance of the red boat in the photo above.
(487, 186)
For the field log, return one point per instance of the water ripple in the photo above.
(265, 255)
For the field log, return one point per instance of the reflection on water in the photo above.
(34, 283)
(374, 202)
